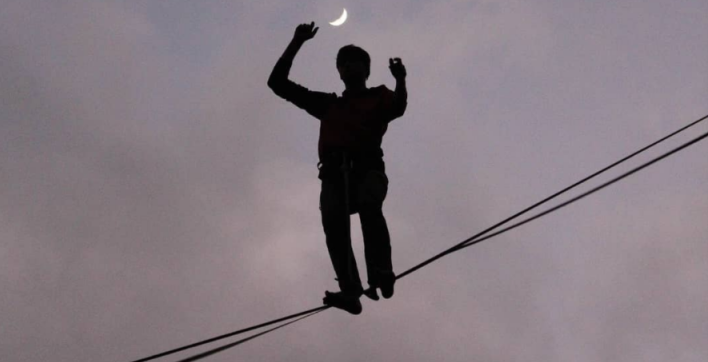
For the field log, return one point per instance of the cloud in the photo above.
(156, 193)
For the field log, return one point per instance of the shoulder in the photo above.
(382, 89)
(322, 96)
(331, 96)
(383, 94)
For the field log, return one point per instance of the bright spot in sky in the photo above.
(341, 19)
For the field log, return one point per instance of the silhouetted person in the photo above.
(351, 165)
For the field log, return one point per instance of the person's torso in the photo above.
(354, 123)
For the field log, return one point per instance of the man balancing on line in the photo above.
(351, 165)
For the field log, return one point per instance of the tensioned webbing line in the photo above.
(549, 198)
(583, 195)
(244, 340)
(306, 313)
(598, 188)
(468, 242)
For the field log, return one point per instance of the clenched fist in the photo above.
(398, 70)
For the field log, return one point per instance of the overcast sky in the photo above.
(154, 192)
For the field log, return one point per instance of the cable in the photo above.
(318, 309)
(459, 245)
(234, 344)
(583, 195)
(467, 242)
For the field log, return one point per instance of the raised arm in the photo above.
(315, 103)
(400, 98)
(279, 76)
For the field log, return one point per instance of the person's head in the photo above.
(353, 64)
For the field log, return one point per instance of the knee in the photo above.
(333, 219)
(371, 213)
(369, 206)
(373, 191)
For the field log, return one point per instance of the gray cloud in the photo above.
(156, 193)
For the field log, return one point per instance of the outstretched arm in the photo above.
(315, 103)
(279, 76)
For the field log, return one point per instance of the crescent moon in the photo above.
(341, 19)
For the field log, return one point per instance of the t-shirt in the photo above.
(351, 123)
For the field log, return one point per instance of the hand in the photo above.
(305, 32)
(398, 70)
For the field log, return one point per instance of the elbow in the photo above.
(275, 86)
(275, 79)
(278, 84)
(272, 83)
(401, 108)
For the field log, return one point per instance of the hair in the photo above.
(353, 52)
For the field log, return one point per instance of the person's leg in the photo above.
(336, 225)
(377, 242)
